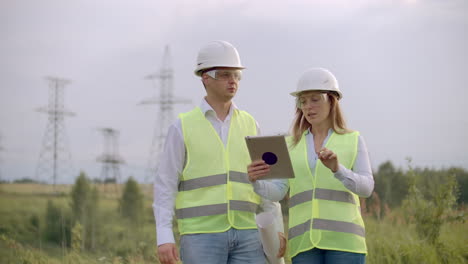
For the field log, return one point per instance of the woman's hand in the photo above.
(329, 159)
(257, 169)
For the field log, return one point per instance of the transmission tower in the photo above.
(110, 158)
(55, 157)
(162, 80)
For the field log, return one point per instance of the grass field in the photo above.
(391, 240)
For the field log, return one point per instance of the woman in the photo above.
(332, 169)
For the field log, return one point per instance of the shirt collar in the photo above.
(205, 107)
(330, 131)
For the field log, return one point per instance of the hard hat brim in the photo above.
(198, 72)
(297, 93)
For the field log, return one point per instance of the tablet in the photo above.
(274, 151)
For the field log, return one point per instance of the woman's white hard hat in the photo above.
(317, 79)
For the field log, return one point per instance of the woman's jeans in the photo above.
(320, 256)
(231, 247)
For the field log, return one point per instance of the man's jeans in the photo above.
(231, 247)
(319, 256)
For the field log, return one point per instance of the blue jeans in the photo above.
(321, 256)
(231, 247)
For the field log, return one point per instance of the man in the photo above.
(202, 173)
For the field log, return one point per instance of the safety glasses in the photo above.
(225, 75)
(313, 99)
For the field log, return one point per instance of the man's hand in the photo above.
(282, 248)
(168, 253)
(257, 169)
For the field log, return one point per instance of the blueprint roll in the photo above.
(269, 223)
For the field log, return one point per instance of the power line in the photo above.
(166, 102)
(110, 157)
(55, 157)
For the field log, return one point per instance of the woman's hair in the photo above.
(338, 123)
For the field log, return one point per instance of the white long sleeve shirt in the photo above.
(359, 180)
(171, 164)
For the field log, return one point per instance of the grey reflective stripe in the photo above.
(301, 197)
(298, 230)
(322, 194)
(329, 225)
(243, 206)
(204, 210)
(203, 182)
(339, 226)
(215, 209)
(238, 177)
(213, 180)
(332, 195)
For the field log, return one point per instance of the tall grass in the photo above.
(394, 241)
(390, 240)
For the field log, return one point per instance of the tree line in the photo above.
(393, 184)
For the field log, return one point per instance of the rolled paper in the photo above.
(269, 224)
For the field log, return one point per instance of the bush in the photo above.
(131, 202)
(84, 204)
(430, 211)
(57, 225)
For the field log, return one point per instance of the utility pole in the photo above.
(166, 102)
(55, 157)
(110, 157)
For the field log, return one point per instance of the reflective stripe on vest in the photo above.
(206, 181)
(214, 191)
(330, 225)
(216, 209)
(322, 194)
(213, 180)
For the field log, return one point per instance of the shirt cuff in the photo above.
(164, 236)
(340, 174)
(259, 188)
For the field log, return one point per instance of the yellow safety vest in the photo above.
(322, 212)
(214, 191)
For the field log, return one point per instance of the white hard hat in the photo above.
(317, 79)
(217, 53)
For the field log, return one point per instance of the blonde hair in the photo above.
(338, 123)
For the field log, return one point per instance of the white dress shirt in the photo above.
(171, 163)
(358, 180)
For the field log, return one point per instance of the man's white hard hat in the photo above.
(217, 53)
(317, 79)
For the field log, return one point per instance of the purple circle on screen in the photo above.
(269, 158)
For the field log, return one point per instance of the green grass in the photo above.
(22, 242)
(398, 243)
(391, 240)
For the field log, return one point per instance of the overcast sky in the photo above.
(402, 66)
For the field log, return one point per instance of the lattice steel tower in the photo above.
(110, 158)
(166, 102)
(55, 157)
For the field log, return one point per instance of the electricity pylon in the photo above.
(166, 102)
(110, 157)
(55, 157)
